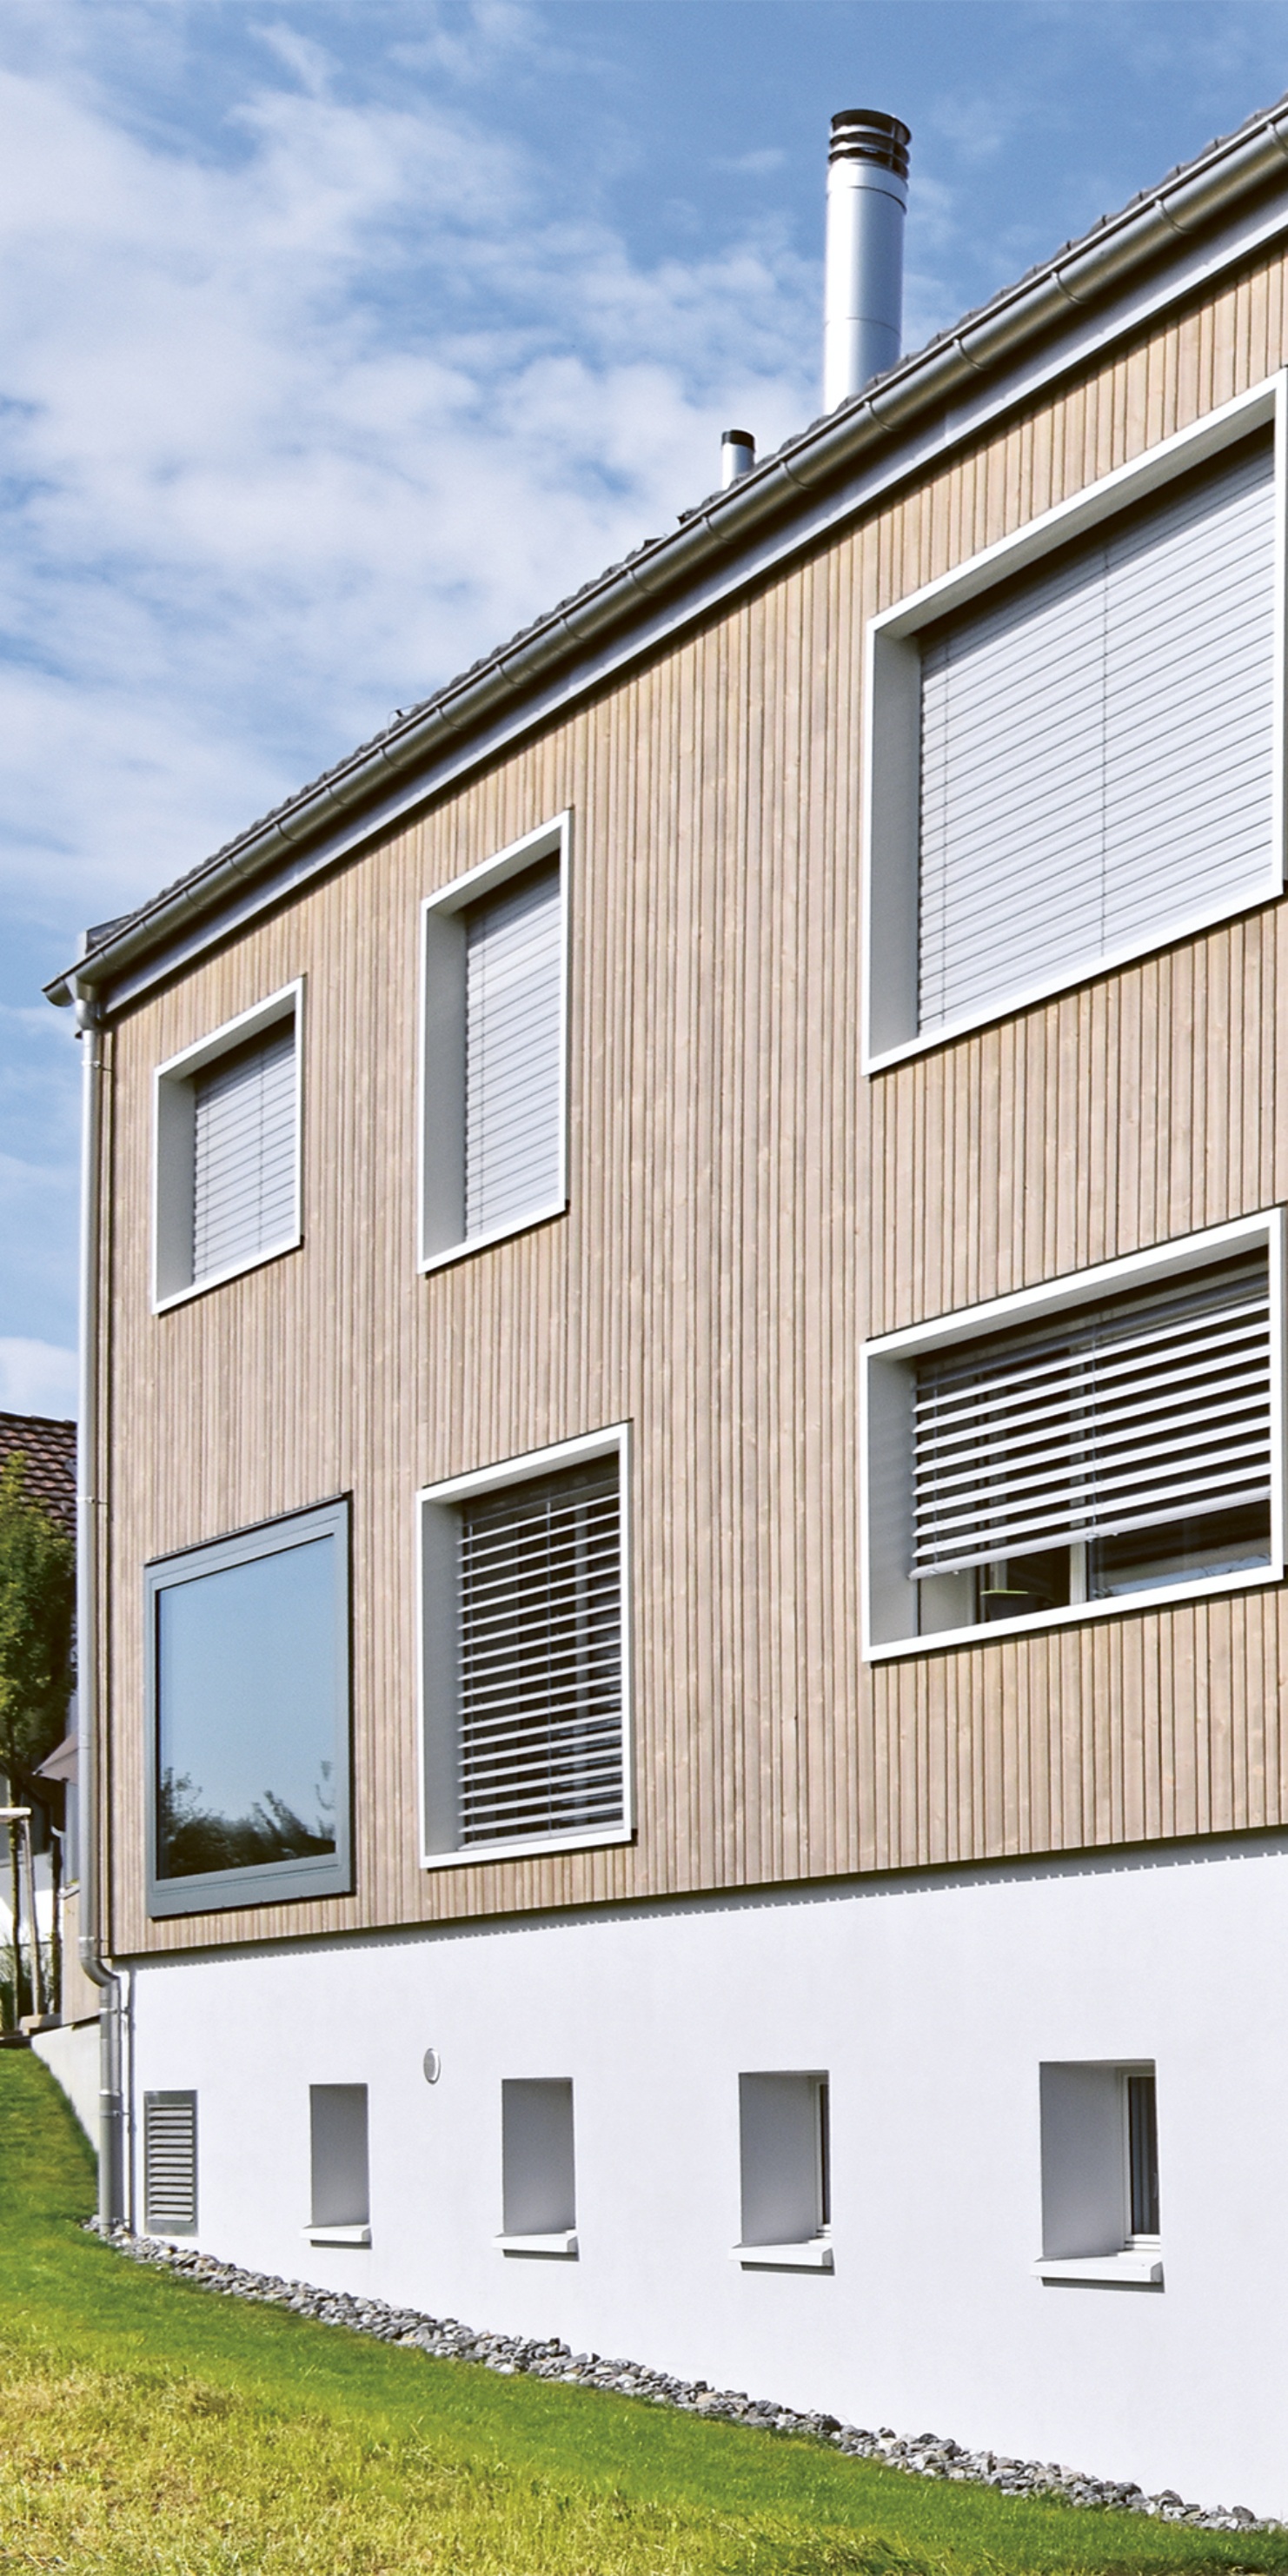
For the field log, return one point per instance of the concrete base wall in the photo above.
(931, 2004)
(71, 2055)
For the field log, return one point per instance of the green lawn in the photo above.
(148, 2428)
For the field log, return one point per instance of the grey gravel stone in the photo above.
(924, 2455)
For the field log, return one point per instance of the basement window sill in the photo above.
(1133, 2268)
(812, 2254)
(337, 2235)
(562, 2243)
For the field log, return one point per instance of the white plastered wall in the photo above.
(931, 2004)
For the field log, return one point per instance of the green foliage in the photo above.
(37, 1600)
(150, 2429)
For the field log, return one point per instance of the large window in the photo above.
(1077, 1447)
(1073, 741)
(248, 1672)
(228, 1151)
(525, 1630)
(494, 1047)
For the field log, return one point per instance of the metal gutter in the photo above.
(358, 795)
(89, 1513)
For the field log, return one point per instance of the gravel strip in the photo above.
(926, 2455)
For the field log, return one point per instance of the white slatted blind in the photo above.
(513, 1073)
(170, 2162)
(541, 1662)
(1151, 1408)
(243, 1194)
(1096, 749)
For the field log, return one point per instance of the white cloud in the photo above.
(37, 1377)
(293, 432)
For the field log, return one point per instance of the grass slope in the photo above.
(150, 2429)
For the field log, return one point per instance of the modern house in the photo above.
(683, 1621)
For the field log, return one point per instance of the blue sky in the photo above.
(339, 338)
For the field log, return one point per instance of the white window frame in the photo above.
(892, 735)
(436, 1575)
(889, 1595)
(173, 1151)
(441, 1116)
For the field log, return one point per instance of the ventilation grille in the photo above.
(170, 2162)
(513, 1072)
(243, 1197)
(1153, 1407)
(541, 1665)
(1097, 746)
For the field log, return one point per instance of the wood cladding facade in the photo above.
(745, 1208)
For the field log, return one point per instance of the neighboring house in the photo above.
(48, 1451)
(690, 1412)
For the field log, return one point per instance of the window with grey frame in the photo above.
(247, 1643)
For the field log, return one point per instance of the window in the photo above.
(525, 1628)
(1074, 739)
(785, 2149)
(1100, 2201)
(248, 1721)
(493, 1075)
(1062, 1452)
(338, 2149)
(170, 2164)
(228, 1151)
(538, 2172)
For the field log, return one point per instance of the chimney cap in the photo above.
(868, 134)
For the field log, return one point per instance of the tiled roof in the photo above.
(49, 1449)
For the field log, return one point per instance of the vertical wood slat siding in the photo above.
(243, 1180)
(718, 1113)
(512, 1049)
(1097, 746)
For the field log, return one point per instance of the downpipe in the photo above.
(89, 1513)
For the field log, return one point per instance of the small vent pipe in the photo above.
(867, 200)
(737, 456)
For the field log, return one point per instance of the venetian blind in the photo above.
(170, 2162)
(1097, 745)
(512, 1050)
(1152, 1407)
(540, 1657)
(243, 1194)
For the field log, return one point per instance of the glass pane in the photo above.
(1142, 2144)
(1184, 1552)
(246, 1716)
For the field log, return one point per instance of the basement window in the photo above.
(786, 2172)
(538, 2167)
(338, 2154)
(1100, 2193)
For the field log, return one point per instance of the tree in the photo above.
(37, 1604)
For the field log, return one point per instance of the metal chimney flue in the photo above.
(737, 456)
(867, 200)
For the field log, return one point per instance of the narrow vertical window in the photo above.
(513, 1071)
(1142, 2156)
(494, 1079)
